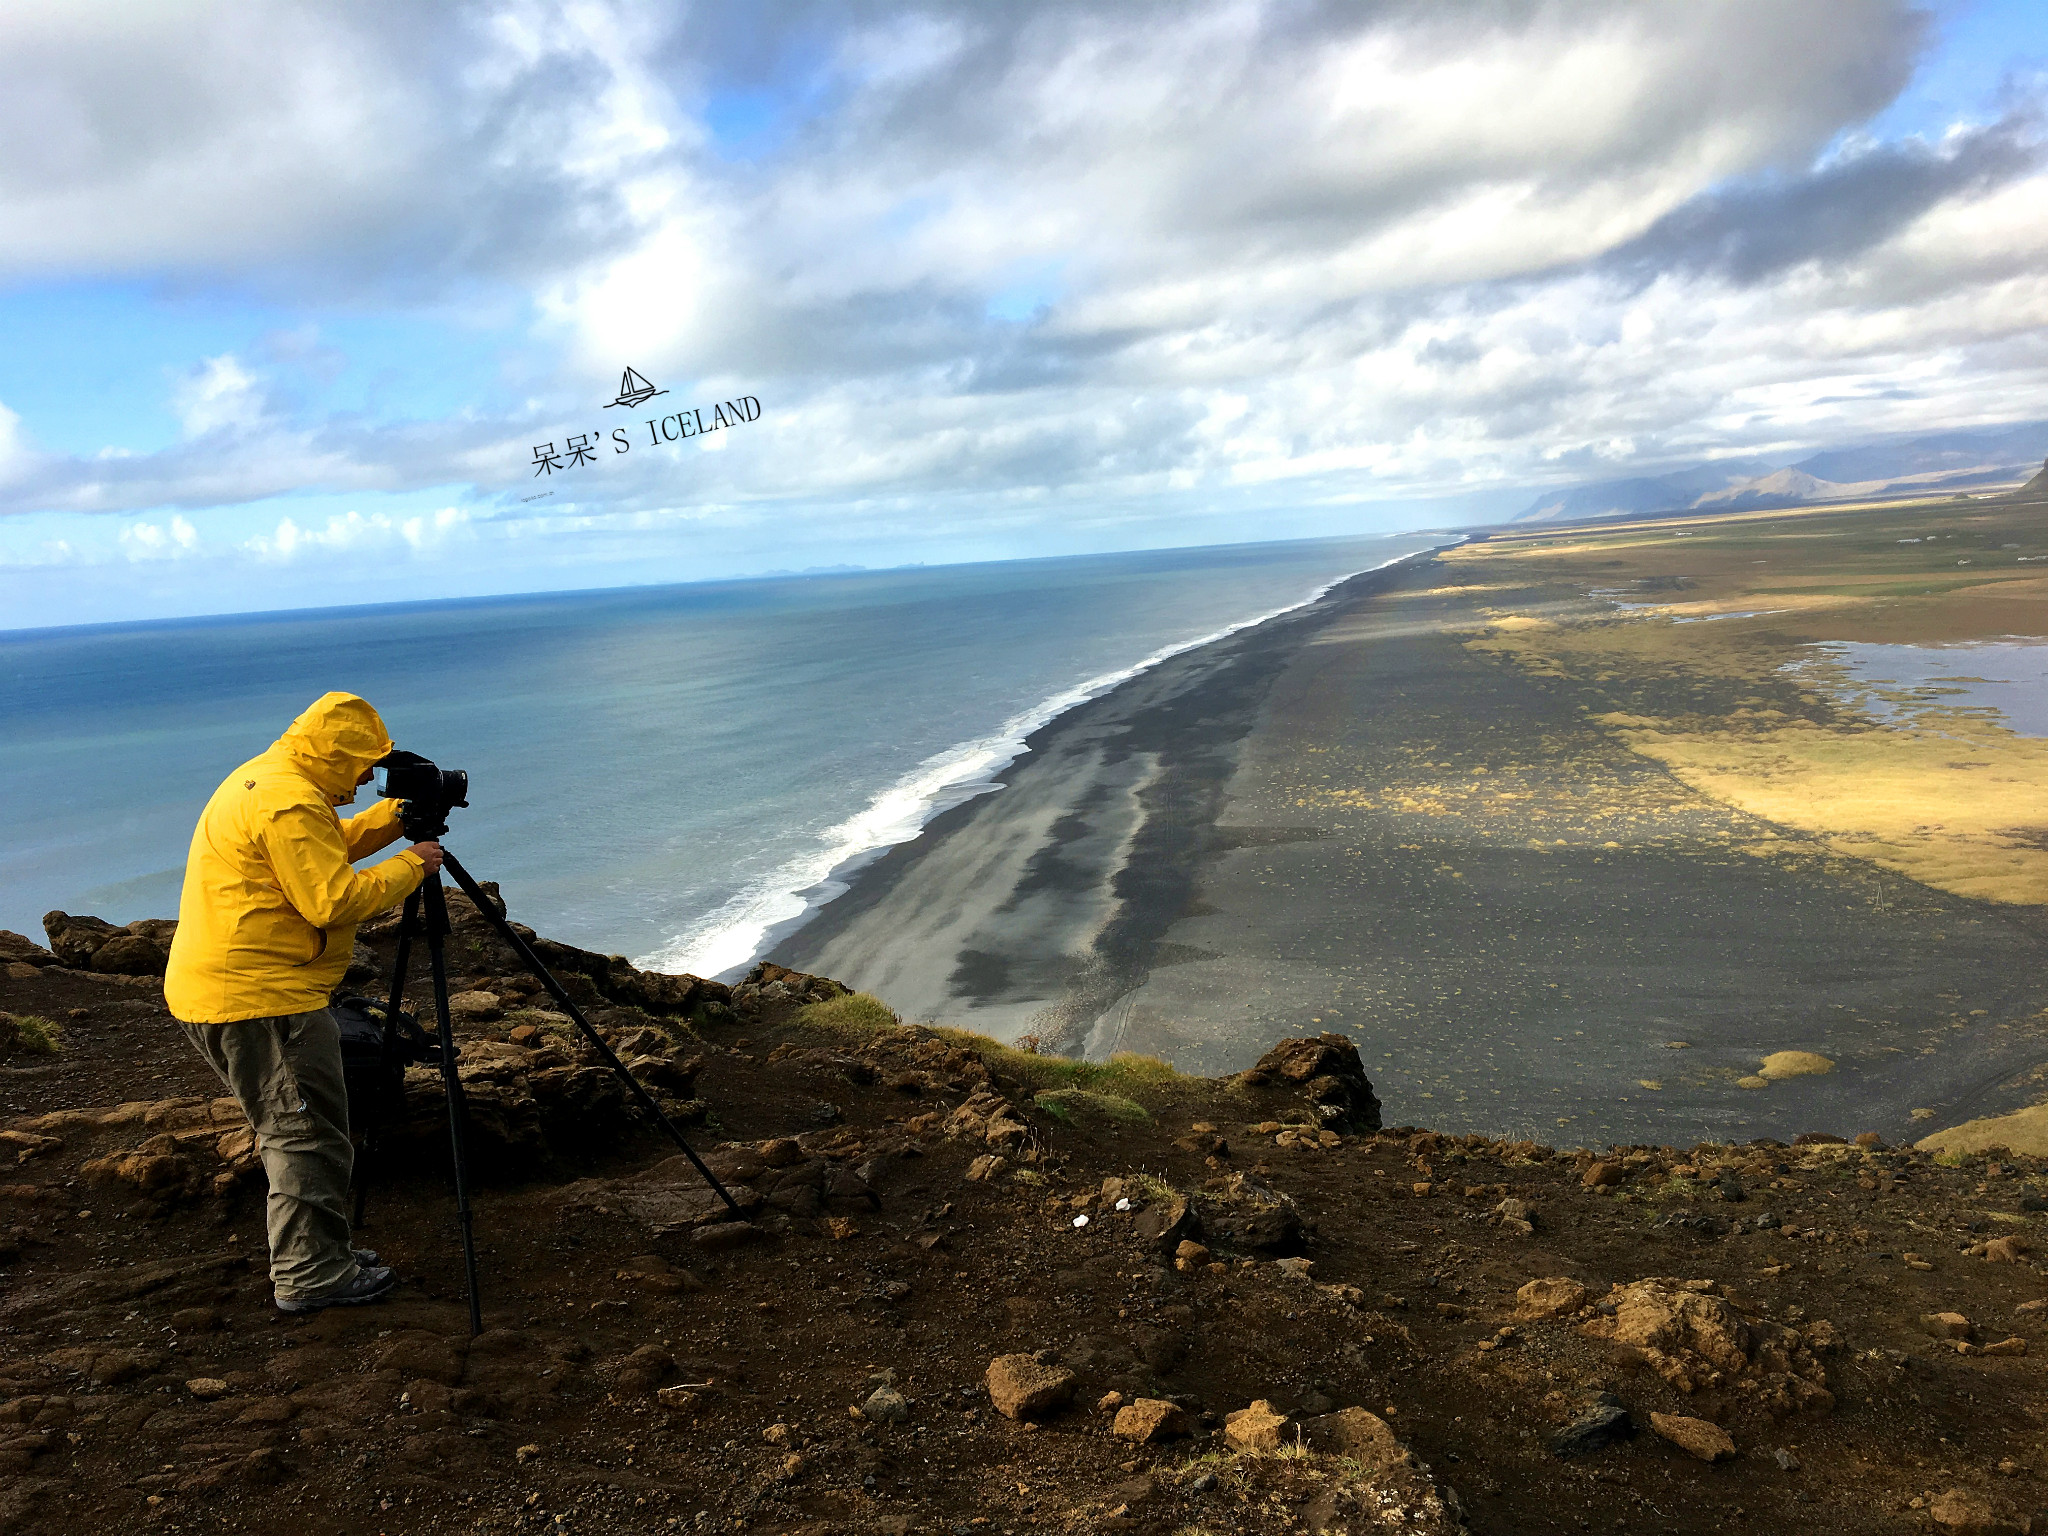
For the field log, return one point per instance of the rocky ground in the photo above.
(978, 1291)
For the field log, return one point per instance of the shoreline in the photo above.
(770, 912)
(1332, 822)
(1103, 845)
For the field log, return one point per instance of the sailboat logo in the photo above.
(634, 390)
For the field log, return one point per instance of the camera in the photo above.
(427, 792)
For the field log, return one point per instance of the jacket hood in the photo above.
(334, 741)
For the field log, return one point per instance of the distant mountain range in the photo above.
(1944, 461)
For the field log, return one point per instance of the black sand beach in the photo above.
(1347, 819)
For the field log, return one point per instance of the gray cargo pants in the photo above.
(285, 1072)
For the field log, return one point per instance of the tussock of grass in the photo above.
(1080, 1103)
(1127, 1077)
(856, 1016)
(36, 1035)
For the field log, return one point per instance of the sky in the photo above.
(292, 293)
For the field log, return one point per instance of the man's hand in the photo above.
(430, 855)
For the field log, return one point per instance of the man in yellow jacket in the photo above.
(266, 926)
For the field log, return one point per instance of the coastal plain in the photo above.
(1569, 829)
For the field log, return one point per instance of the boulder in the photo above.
(1148, 1421)
(1025, 1387)
(1364, 1437)
(19, 949)
(1257, 1428)
(74, 939)
(1555, 1296)
(1327, 1071)
(131, 954)
(1693, 1336)
(1696, 1437)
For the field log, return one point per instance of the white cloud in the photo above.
(355, 533)
(159, 541)
(15, 454)
(1274, 249)
(219, 395)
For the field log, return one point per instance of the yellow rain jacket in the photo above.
(268, 917)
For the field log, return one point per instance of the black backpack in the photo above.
(376, 1048)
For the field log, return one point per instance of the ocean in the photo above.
(680, 774)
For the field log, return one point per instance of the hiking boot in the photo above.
(371, 1283)
(365, 1257)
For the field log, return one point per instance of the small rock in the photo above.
(2012, 1346)
(646, 1368)
(1601, 1174)
(1553, 1296)
(1295, 1269)
(776, 1434)
(1964, 1512)
(1696, 1437)
(1165, 1224)
(1605, 1422)
(1149, 1420)
(1022, 1387)
(207, 1388)
(1109, 1402)
(985, 1168)
(1945, 1325)
(1870, 1141)
(1256, 1428)
(1190, 1256)
(885, 1405)
(1786, 1461)
(2006, 1250)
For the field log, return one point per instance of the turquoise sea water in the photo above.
(674, 773)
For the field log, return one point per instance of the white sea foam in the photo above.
(730, 939)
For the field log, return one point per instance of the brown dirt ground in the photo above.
(387, 1419)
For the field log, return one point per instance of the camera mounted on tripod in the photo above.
(425, 791)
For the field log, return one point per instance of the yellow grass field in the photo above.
(1711, 673)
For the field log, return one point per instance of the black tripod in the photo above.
(426, 918)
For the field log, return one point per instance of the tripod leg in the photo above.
(546, 978)
(437, 928)
(373, 1128)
